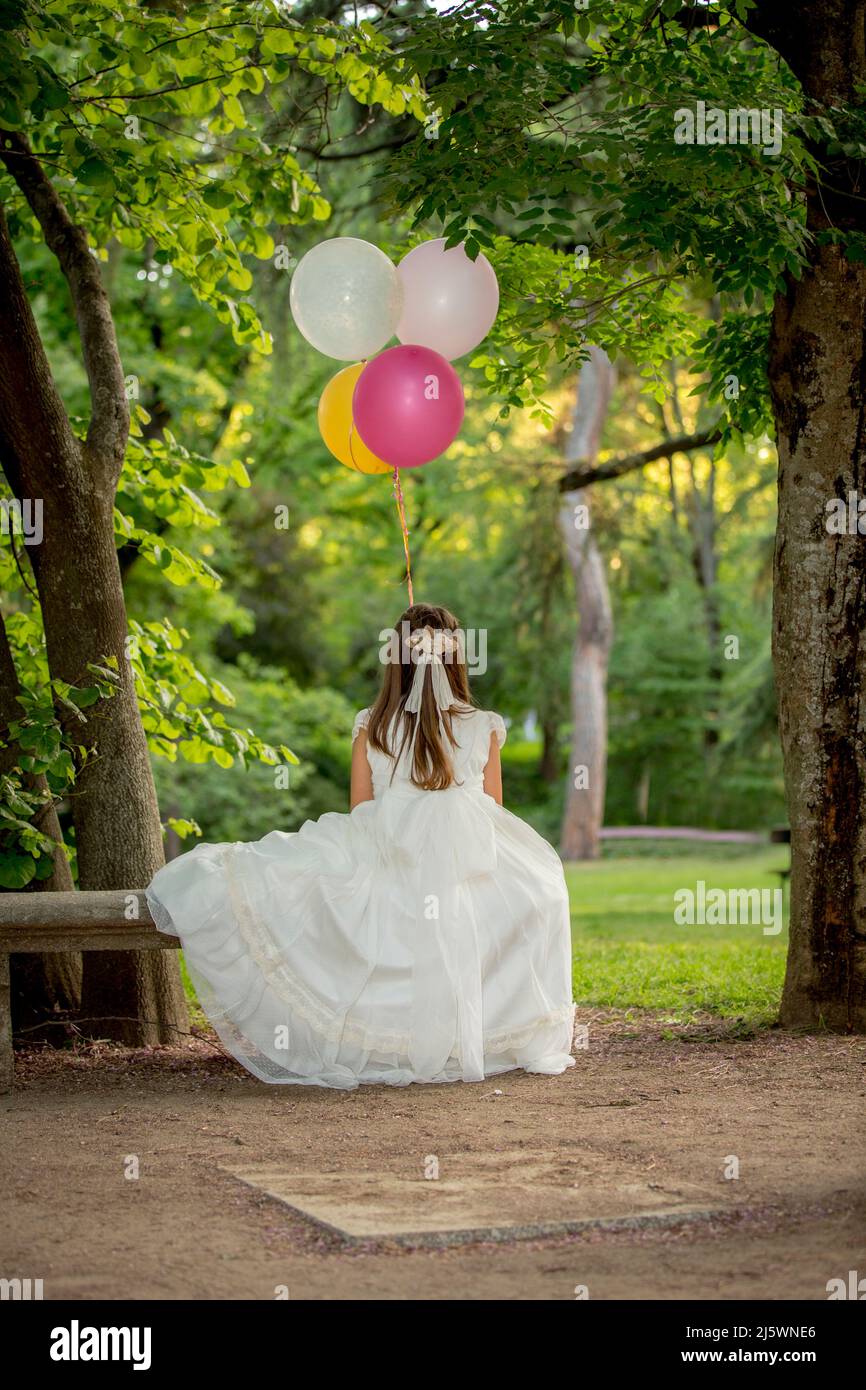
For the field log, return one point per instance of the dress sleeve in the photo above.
(497, 727)
(362, 718)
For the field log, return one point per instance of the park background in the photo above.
(680, 343)
(258, 572)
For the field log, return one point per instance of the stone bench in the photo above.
(112, 920)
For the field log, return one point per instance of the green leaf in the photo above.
(183, 828)
(278, 41)
(216, 195)
(96, 174)
(234, 111)
(326, 46)
(16, 870)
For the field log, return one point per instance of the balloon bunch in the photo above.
(404, 407)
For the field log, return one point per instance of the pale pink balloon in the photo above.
(408, 405)
(449, 302)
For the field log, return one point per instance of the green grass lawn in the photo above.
(630, 954)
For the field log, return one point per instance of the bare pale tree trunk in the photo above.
(115, 811)
(643, 794)
(548, 764)
(818, 384)
(703, 525)
(584, 805)
(702, 519)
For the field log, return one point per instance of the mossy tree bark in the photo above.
(115, 812)
(818, 384)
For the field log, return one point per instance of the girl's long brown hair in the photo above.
(390, 727)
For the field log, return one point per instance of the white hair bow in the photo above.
(429, 646)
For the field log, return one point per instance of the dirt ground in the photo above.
(643, 1123)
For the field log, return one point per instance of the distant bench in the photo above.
(114, 920)
(683, 832)
(779, 835)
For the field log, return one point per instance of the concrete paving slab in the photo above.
(497, 1196)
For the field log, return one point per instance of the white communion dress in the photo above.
(422, 937)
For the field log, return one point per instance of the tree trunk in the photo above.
(703, 524)
(584, 807)
(818, 384)
(548, 765)
(41, 984)
(702, 521)
(643, 794)
(115, 812)
(548, 585)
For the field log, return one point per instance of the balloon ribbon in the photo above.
(355, 464)
(401, 512)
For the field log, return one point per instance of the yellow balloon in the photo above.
(336, 426)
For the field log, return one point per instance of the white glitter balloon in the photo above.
(346, 298)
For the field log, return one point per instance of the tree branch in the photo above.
(35, 433)
(629, 463)
(691, 17)
(355, 154)
(109, 420)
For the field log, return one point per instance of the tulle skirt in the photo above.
(423, 937)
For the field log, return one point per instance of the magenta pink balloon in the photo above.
(408, 405)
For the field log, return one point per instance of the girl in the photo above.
(423, 937)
